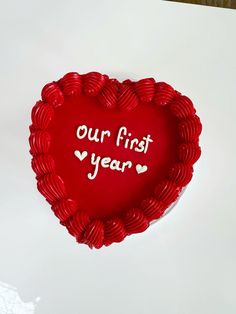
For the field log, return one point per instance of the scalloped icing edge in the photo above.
(126, 95)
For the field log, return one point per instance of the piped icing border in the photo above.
(124, 96)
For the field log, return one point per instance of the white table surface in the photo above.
(186, 262)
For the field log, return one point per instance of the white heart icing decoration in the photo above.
(141, 169)
(80, 155)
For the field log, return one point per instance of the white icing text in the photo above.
(123, 139)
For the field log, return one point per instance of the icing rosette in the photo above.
(64, 209)
(52, 94)
(71, 84)
(94, 234)
(93, 83)
(127, 100)
(39, 142)
(189, 152)
(152, 208)
(135, 221)
(42, 115)
(43, 164)
(164, 94)
(190, 129)
(52, 187)
(181, 174)
(167, 191)
(182, 107)
(109, 94)
(145, 89)
(114, 231)
(77, 224)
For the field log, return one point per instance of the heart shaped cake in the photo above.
(110, 157)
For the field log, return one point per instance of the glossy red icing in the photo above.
(104, 210)
(127, 99)
(114, 231)
(152, 208)
(109, 94)
(145, 89)
(135, 221)
(71, 84)
(164, 94)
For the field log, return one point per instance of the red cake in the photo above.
(110, 157)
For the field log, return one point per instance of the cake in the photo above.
(111, 157)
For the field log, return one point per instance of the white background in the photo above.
(186, 262)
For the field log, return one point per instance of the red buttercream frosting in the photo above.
(127, 99)
(152, 208)
(71, 84)
(114, 231)
(116, 203)
(164, 94)
(109, 94)
(145, 89)
(52, 94)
